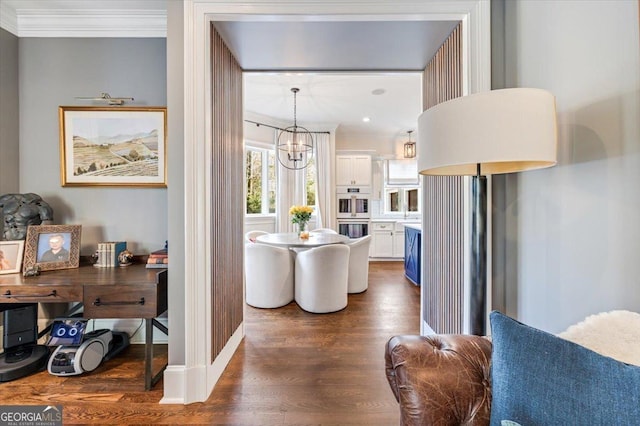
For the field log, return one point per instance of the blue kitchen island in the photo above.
(412, 259)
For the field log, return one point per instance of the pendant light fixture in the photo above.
(409, 147)
(295, 143)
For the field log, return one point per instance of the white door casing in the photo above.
(194, 381)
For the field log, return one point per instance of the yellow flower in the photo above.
(300, 214)
(300, 210)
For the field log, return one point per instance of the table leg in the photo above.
(149, 379)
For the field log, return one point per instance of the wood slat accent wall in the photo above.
(226, 200)
(442, 78)
(443, 263)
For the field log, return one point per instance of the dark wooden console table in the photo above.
(121, 292)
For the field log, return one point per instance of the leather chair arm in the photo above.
(440, 379)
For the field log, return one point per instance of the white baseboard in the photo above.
(174, 384)
(133, 327)
(201, 379)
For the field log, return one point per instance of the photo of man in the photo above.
(56, 252)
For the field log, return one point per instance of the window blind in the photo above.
(402, 172)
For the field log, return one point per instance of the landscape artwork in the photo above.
(113, 146)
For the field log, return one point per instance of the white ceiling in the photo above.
(349, 59)
(342, 99)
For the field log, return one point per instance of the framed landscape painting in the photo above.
(113, 146)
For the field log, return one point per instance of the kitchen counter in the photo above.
(399, 221)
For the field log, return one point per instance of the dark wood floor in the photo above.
(292, 368)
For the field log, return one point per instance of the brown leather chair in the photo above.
(441, 379)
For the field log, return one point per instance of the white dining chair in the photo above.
(324, 231)
(359, 264)
(250, 237)
(268, 275)
(321, 278)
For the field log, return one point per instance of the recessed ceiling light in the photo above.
(366, 119)
(378, 92)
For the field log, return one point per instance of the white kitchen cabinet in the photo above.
(353, 170)
(398, 240)
(382, 239)
(387, 239)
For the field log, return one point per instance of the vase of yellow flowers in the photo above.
(300, 215)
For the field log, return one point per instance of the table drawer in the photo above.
(39, 293)
(120, 301)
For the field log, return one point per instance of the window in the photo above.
(310, 182)
(412, 200)
(401, 172)
(261, 181)
(401, 200)
(260, 169)
(401, 189)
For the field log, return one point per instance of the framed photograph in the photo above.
(52, 247)
(11, 256)
(113, 146)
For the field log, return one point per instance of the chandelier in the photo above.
(295, 143)
(409, 147)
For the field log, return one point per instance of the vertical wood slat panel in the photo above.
(226, 204)
(443, 288)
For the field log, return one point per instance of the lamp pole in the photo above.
(478, 292)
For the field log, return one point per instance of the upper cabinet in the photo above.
(353, 170)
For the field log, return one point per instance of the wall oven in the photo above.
(354, 211)
(353, 203)
(353, 228)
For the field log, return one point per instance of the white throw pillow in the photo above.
(615, 334)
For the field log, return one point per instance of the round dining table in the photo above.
(291, 239)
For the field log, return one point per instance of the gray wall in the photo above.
(52, 72)
(578, 224)
(9, 138)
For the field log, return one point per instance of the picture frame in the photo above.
(113, 146)
(51, 247)
(11, 256)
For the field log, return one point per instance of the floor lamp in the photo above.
(499, 131)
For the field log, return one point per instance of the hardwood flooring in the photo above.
(292, 368)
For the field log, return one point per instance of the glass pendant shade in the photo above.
(409, 147)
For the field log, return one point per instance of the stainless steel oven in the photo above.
(353, 203)
(353, 228)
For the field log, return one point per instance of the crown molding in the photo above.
(83, 22)
(8, 18)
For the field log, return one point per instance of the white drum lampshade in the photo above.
(503, 131)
